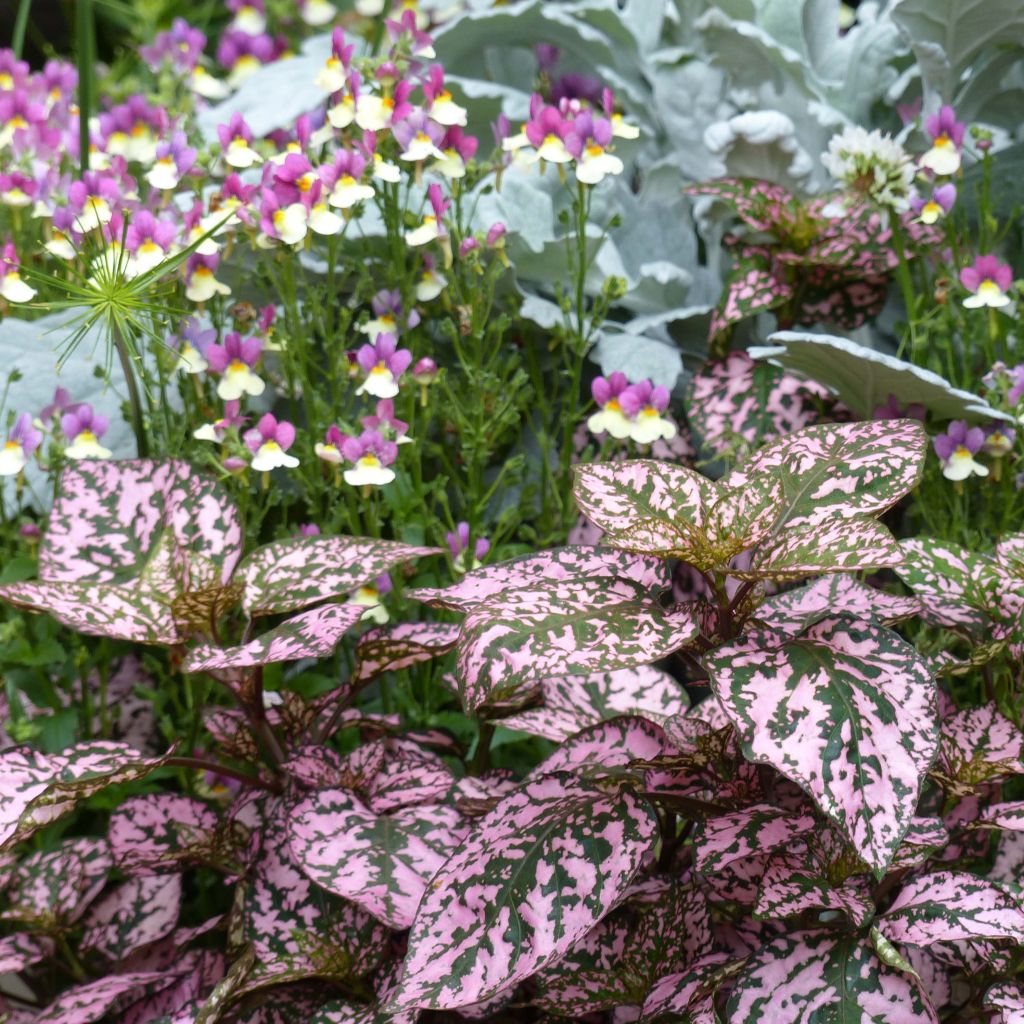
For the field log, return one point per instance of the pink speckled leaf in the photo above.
(752, 831)
(289, 574)
(484, 585)
(763, 205)
(157, 830)
(978, 745)
(611, 744)
(391, 648)
(537, 873)
(949, 906)
(735, 404)
(573, 702)
(955, 587)
(364, 857)
(310, 634)
(792, 611)
(137, 912)
(925, 837)
(36, 789)
(577, 627)
(847, 711)
(836, 546)
(787, 891)
(817, 976)
(1008, 815)
(86, 1003)
(688, 997)
(1006, 998)
(54, 889)
(840, 470)
(21, 950)
(110, 515)
(406, 776)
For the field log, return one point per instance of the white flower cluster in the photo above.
(871, 166)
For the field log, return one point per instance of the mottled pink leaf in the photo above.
(196, 974)
(158, 830)
(537, 873)
(978, 745)
(289, 574)
(135, 913)
(310, 634)
(817, 976)
(841, 470)
(788, 889)
(391, 648)
(847, 711)
(925, 837)
(91, 1001)
(50, 890)
(605, 745)
(792, 611)
(947, 906)
(688, 995)
(406, 776)
(577, 627)
(739, 835)
(572, 702)
(484, 585)
(1008, 815)
(1007, 1001)
(20, 950)
(367, 858)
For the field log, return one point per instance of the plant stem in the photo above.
(138, 424)
(903, 278)
(84, 27)
(20, 24)
(202, 765)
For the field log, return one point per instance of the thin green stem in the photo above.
(20, 24)
(134, 399)
(86, 36)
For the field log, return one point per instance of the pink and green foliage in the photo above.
(534, 876)
(848, 711)
(134, 914)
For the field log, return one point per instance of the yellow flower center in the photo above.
(347, 180)
(369, 461)
(305, 183)
(962, 452)
(86, 435)
(942, 141)
(11, 445)
(237, 366)
(594, 149)
(17, 122)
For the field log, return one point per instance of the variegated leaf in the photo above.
(537, 873)
(391, 648)
(50, 890)
(484, 585)
(611, 744)
(847, 711)
(310, 634)
(137, 912)
(688, 997)
(1007, 1001)
(792, 611)
(578, 627)
(407, 776)
(86, 1003)
(835, 546)
(817, 976)
(289, 574)
(21, 950)
(36, 789)
(157, 830)
(949, 906)
(787, 891)
(1008, 815)
(753, 831)
(573, 702)
(840, 470)
(925, 837)
(364, 857)
(978, 745)
(109, 516)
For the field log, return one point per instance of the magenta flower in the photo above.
(643, 404)
(93, 200)
(546, 131)
(432, 226)
(420, 43)
(458, 545)
(17, 189)
(236, 140)
(200, 274)
(308, 530)
(149, 240)
(947, 135)
(956, 450)
(928, 211)
(175, 158)
(610, 417)
(587, 141)
(83, 428)
(269, 442)
(180, 46)
(371, 456)
(988, 280)
(418, 137)
(22, 440)
(61, 403)
(383, 363)
(330, 448)
(895, 410)
(219, 429)
(234, 361)
(242, 53)
(12, 287)
(387, 424)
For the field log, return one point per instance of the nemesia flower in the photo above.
(218, 429)
(61, 242)
(458, 545)
(308, 530)
(468, 245)
(495, 233)
(243, 54)
(895, 410)
(928, 211)
(202, 83)
(374, 112)
(83, 428)
(947, 135)
(234, 361)
(180, 46)
(546, 131)
(388, 315)
(93, 200)
(371, 456)
(431, 282)
(22, 440)
(386, 424)
(440, 105)
(871, 166)
(620, 129)
(17, 189)
(18, 116)
(1016, 392)
(342, 177)
(287, 224)
(341, 111)
(418, 138)
(431, 227)
(269, 442)
(369, 595)
(12, 287)
(999, 439)
(333, 76)
(420, 43)
(643, 405)
(131, 129)
(61, 403)
(610, 418)
(199, 275)
(149, 241)
(330, 448)
(236, 142)
(250, 16)
(383, 363)
(988, 280)
(14, 73)
(194, 340)
(457, 149)
(424, 373)
(956, 450)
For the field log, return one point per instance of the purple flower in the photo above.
(83, 428)
(386, 423)
(181, 46)
(234, 361)
(956, 450)
(383, 363)
(928, 211)
(988, 280)
(388, 315)
(894, 410)
(546, 131)
(458, 545)
(947, 134)
(22, 441)
(1016, 392)
(330, 448)
(269, 442)
(371, 455)
(174, 159)
(61, 403)
(308, 530)
(999, 439)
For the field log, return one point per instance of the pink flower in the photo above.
(371, 456)
(383, 363)
(234, 361)
(458, 545)
(269, 442)
(83, 428)
(22, 441)
(387, 424)
(988, 280)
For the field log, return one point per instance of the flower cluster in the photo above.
(959, 445)
(634, 411)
